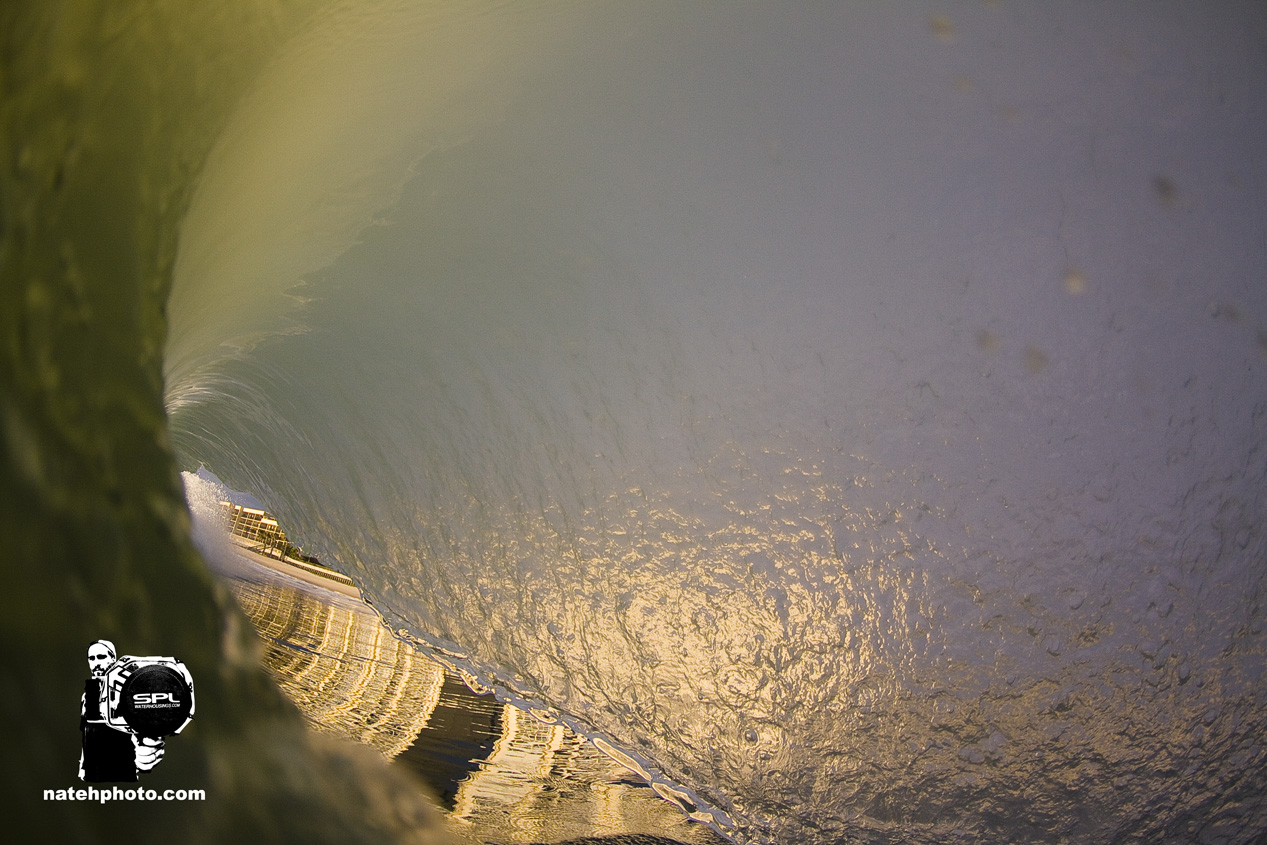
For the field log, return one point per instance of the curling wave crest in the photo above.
(824, 405)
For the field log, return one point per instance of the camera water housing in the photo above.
(152, 697)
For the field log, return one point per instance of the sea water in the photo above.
(852, 416)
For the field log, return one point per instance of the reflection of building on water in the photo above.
(503, 775)
(543, 783)
(344, 670)
(525, 750)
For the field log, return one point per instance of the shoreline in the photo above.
(335, 582)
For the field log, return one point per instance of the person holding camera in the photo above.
(109, 754)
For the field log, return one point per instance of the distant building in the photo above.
(260, 528)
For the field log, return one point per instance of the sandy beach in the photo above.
(260, 567)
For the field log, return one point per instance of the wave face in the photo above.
(857, 418)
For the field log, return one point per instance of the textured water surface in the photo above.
(853, 414)
(499, 774)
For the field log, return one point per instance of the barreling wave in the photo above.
(607, 353)
(108, 112)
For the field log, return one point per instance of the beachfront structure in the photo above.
(261, 528)
(253, 524)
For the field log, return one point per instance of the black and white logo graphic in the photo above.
(130, 704)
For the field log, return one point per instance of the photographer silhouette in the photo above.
(110, 753)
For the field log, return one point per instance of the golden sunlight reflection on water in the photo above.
(501, 774)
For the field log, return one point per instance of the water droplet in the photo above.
(943, 29)
(1075, 282)
(1035, 360)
